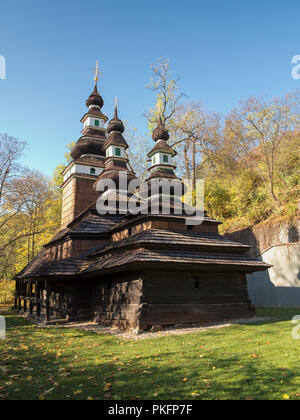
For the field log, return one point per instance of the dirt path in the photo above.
(91, 326)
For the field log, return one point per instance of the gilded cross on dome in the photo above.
(96, 72)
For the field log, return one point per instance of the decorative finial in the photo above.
(96, 72)
(116, 124)
(116, 109)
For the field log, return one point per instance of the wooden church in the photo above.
(131, 271)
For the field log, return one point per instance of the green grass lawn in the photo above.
(254, 361)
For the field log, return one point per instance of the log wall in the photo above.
(193, 298)
(117, 300)
(141, 301)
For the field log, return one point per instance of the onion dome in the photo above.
(115, 130)
(160, 132)
(115, 139)
(116, 124)
(95, 99)
(87, 146)
(162, 146)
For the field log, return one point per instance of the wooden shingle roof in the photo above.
(159, 246)
(40, 266)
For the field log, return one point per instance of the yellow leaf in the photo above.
(286, 397)
(195, 394)
(77, 392)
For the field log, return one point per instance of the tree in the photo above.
(196, 136)
(31, 194)
(139, 147)
(29, 212)
(262, 127)
(11, 150)
(195, 133)
(167, 91)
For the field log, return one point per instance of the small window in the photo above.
(118, 151)
(166, 158)
(196, 282)
(96, 123)
(93, 171)
(154, 160)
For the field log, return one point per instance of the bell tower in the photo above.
(87, 162)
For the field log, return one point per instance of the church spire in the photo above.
(95, 101)
(162, 154)
(115, 124)
(115, 147)
(94, 120)
(88, 158)
(96, 72)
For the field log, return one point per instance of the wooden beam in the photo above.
(48, 315)
(37, 296)
(31, 297)
(25, 305)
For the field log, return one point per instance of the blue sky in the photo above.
(224, 51)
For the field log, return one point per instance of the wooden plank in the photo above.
(128, 315)
(194, 309)
(181, 283)
(120, 308)
(204, 317)
(181, 291)
(195, 299)
(117, 298)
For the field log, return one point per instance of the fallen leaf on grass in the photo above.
(107, 387)
(77, 392)
(195, 394)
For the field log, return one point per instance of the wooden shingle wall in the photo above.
(78, 195)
